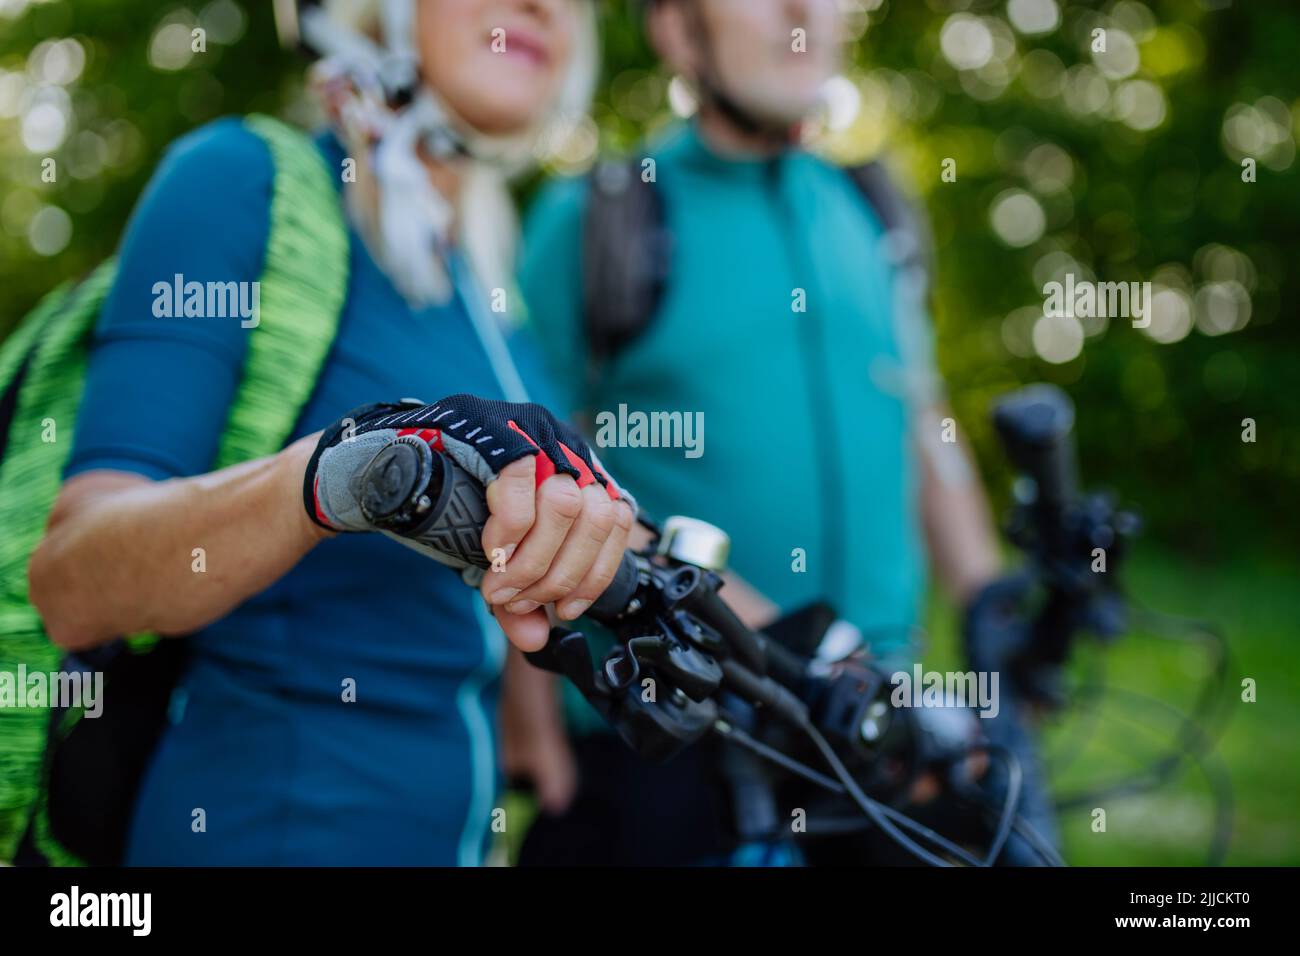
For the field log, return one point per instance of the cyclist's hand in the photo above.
(561, 541)
(996, 623)
(557, 526)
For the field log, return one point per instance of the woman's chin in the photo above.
(501, 118)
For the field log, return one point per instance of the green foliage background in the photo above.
(1159, 423)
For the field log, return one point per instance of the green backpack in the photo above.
(42, 369)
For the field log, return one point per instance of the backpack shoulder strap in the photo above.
(908, 245)
(301, 294)
(626, 251)
(41, 368)
(908, 241)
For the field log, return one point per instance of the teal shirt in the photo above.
(784, 326)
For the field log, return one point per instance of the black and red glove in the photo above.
(482, 436)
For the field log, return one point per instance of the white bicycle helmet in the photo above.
(367, 47)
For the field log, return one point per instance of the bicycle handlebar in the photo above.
(676, 629)
(1035, 425)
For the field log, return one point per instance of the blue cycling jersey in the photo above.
(263, 738)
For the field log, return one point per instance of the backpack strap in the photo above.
(302, 290)
(626, 253)
(908, 245)
(42, 366)
(908, 242)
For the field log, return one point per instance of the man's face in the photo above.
(770, 56)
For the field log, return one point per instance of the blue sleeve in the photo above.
(550, 279)
(159, 384)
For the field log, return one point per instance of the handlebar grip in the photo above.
(614, 600)
(1036, 427)
(413, 491)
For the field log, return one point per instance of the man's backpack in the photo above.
(627, 249)
(68, 783)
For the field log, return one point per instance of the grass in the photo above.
(1253, 748)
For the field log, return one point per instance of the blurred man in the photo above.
(775, 301)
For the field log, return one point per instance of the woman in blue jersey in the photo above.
(339, 703)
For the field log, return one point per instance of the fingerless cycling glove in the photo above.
(481, 435)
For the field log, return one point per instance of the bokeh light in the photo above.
(47, 116)
(1049, 169)
(1222, 307)
(1017, 218)
(49, 231)
(1260, 131)
(1120, 59)
(1171, 315)
(1034, 17)
(56, 61)
(966, 41)
(1057, 338)
(1140, 104)
(170, 48)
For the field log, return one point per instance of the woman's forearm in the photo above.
(124, 554)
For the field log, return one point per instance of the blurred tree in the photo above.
(91, 93)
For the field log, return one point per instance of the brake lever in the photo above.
(567, 653)
(697, 675)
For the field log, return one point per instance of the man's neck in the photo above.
(721, 134)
